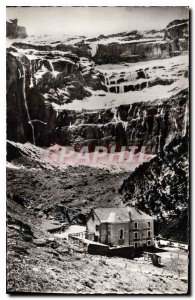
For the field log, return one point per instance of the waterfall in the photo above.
(185, 121)
(31, 74)
(159, 138)
(138, 113)
(125, 124)
(51, 66)
(132, 134)
(26, 106)
(161, 114)
(130, 106)
(144, 116)
(175, 122)
(132, 76)
(116, 116)
(121, 88)
(19, 74)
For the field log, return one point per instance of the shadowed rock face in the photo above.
(18, 128)
(14, 31)
(160, 187)
(141, 124)
(177, 34)
(40, 77)
(58, 79)
(146, 46)
(131, 52)
(19, 94)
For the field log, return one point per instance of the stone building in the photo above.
(125, 226)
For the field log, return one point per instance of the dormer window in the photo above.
(135, 225)
(97, 227)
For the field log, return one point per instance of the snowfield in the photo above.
(104, 100)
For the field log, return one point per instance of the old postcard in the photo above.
(98, 150)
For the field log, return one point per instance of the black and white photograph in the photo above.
(98, 139)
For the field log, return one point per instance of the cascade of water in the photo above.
(125, 124)
(51, 66)
(19, 72)
(31, 75)
(121, 88)
(132, 76)
(130, 106)
(144, 116)
(132, 133)
(185, 120)
(159, 140)
(175, 122)
(138, 113)
(161, 114)
(116, 116)
(26, 106)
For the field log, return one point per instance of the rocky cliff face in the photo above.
(14, 31)
(56, 94)
(42, 79)
(134, 46)
(152, 125)
(161, 188)
(37, 78)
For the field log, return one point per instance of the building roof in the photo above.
(120, 214)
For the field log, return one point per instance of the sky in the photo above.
(92, 21)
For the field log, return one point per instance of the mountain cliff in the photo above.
(14, 31)
(161, 188)
(68, 93)
(137, 46)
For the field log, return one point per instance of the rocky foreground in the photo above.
(38, 261)
(128, 89)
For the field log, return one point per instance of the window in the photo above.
(135, 244)
(97, 227)
(149, 234)
(148, 224)
(109, 229)
(135, 225)
(136, 235)
(148, 243)
(121, 234)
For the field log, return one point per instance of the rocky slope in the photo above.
(161, 188)
(56, 94)
(40, 263)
